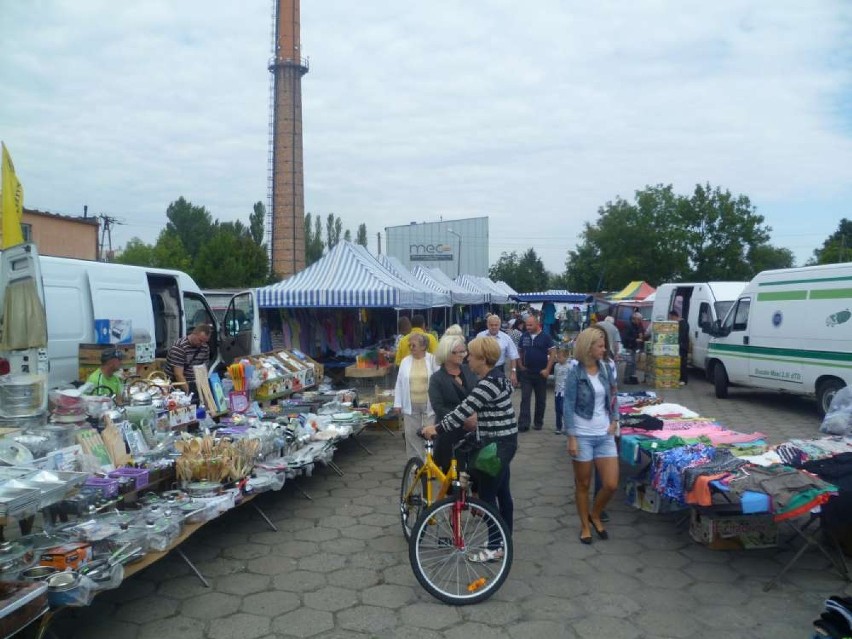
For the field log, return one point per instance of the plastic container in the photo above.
(106, 486)
(23, 395)
(139, 475)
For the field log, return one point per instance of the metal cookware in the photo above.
(38, 573)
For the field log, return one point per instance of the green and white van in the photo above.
(789, 330)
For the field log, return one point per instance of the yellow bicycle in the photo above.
(423, 483)
(459, 547)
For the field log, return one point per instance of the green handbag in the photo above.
(487, 461)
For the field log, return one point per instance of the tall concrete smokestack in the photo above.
(287, 211)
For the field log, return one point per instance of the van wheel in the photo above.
(720, 381)
(825, 393)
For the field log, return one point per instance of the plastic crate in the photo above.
(106, 486)
(140, 475)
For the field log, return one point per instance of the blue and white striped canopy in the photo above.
(458, 294)
(347, 277)
(474, 282)
(437, 296)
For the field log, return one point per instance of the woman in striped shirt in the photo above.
(491, 402)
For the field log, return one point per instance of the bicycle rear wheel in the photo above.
(412, 495)
(446, 552)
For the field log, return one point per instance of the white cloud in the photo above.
(535, 118)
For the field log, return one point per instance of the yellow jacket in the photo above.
(403, 350)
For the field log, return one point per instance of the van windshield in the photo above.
(722, 308)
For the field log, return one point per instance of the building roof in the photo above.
(92, 219)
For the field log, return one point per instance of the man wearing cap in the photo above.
(185, 354)
(107, 375)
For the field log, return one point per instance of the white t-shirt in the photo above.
(599, 423)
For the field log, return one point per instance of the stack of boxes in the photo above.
(663, 363)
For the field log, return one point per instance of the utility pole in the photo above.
(106, 234)
(379, 238)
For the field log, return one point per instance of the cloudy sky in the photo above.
(534, 116)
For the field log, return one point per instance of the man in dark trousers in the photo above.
(682, 343)
(536, 349)
(634, 344)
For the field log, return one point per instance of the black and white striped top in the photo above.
(491, 400)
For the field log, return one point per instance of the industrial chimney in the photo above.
(286, 217)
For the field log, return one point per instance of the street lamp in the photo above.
(458, 256)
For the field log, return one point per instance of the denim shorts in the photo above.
(590, 447)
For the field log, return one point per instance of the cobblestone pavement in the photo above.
(338, 566)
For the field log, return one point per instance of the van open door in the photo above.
(23, 320)
(239, 334)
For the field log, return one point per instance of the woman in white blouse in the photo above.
(411, 395)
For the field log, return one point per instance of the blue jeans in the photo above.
(560, 400)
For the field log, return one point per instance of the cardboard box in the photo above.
(66, 556)
(733, 532)
(640, 495)
(659, 349)
(111, 331)
(664, 328)
(89, 356)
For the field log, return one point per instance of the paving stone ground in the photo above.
(338, 565)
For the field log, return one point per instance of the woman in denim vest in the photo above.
(590, 423)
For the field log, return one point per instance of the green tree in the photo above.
(347, 235)
(169, 252)
(524, 274)
(765, 257)
(836, 248)
(136, 252)
(361, 238)
(231, 258)
(257, 222)
(193, 225)
(333, 230)
(721, 231)
(313, 239)
(665, 237)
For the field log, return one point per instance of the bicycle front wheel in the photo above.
(412, 495)
(460, 555)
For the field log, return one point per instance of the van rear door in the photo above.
(23, 335)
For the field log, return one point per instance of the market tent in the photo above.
(439, 296)
(637, 290)
(458, 295)
(498, 294)
(508, 290)
(476, 284)
(346, 277)
(553, 295)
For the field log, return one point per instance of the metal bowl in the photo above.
(38, 573)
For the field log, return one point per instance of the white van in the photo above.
(161, 305)
(789, 330)
(702, 304)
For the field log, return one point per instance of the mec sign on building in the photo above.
(454, 246)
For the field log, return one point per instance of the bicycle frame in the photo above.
(432, 471)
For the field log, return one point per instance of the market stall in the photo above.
(95, 483)
(736, 491)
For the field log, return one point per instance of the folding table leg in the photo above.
(265, 518)
(192, 566)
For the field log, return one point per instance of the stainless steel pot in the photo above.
(38, 573)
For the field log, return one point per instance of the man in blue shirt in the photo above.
(536, 349)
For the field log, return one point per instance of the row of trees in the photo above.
(661, 236)
(226, 254)
(216, 254)
(315, 246)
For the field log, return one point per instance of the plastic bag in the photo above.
(487, 461)
(838, 419)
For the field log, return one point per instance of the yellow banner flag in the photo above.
(13, 203)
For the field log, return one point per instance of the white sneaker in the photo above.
(486, 555)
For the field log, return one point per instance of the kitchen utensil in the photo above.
(12, 453)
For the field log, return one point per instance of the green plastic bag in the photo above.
(486, 460)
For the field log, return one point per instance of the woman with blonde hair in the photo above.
(490, 402)
(411, 395)
(448, 387)
(590, 423)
